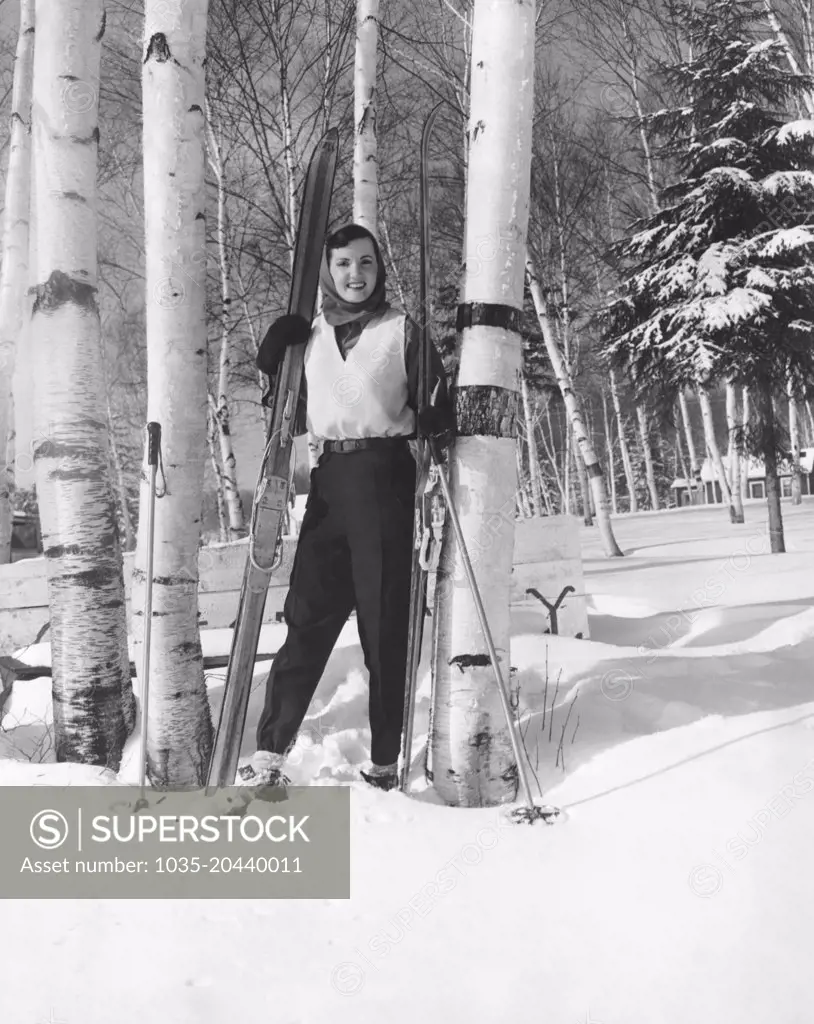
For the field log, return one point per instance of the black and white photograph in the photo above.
(406, 511)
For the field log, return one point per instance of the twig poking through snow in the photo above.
(562, 735)
(553, 703)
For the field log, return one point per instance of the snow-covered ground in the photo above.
(676, 890)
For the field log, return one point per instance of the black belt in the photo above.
(356, 444)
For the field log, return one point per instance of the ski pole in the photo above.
(419, 578)
(153, 447)
(533, 812)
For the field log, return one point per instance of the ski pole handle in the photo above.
(153, 443)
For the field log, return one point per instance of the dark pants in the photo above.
(354, 550)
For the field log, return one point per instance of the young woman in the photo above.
(355, 543)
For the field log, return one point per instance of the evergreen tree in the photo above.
(719, 284)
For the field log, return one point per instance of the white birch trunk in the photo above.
(744, 459)
(222, 413)
(118, 472)
(94, 708)
(265, 413)
(734, 452)
(794, 434)
(648, 156)
(472, 761)
(627, 462)
(531, 440)
(14, 275)
(289, 161)
(396, 276)
(365, 161)
(714, 450)
(551, 453)
(573, 407)
(290, 169)
(644, 440)
(523, 502)
(179, 727)
(682, 469)
(220, 500)
(783, 39)
(567, 462)
(582, 481)
(609, 452)
(695, 468)
(549, 508)
(117, 467)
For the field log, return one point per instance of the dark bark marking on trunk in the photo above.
(486, 411)
(59, 290)
(158, 49)
(469, 661)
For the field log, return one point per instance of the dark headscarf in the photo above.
(337, 310)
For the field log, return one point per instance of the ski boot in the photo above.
(265, 769)
(381, 776)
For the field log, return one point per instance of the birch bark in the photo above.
(94, 708)
(179, 735)
(15, 255)
(471, 756)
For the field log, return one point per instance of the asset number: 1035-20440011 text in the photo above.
(226, 865)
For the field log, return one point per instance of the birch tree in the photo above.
(715, 454)
(471, 755)
(805, 31)
(794, 436)
(179, 726)
(531, 441)
(14, 274)
(627, 462)
(734, 451)
(695, 466)
(647, 455)
(365, 176)
(744, 431)
(94, 709)
(609, 453)
(575, 414)
(221, 411)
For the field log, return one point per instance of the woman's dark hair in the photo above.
(350, 233)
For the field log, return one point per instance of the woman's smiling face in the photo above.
(354, 270)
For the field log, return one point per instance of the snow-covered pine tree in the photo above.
(720, 282)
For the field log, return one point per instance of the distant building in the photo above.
(755, 479)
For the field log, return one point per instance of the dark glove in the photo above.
(436, 422)
(291, 329)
